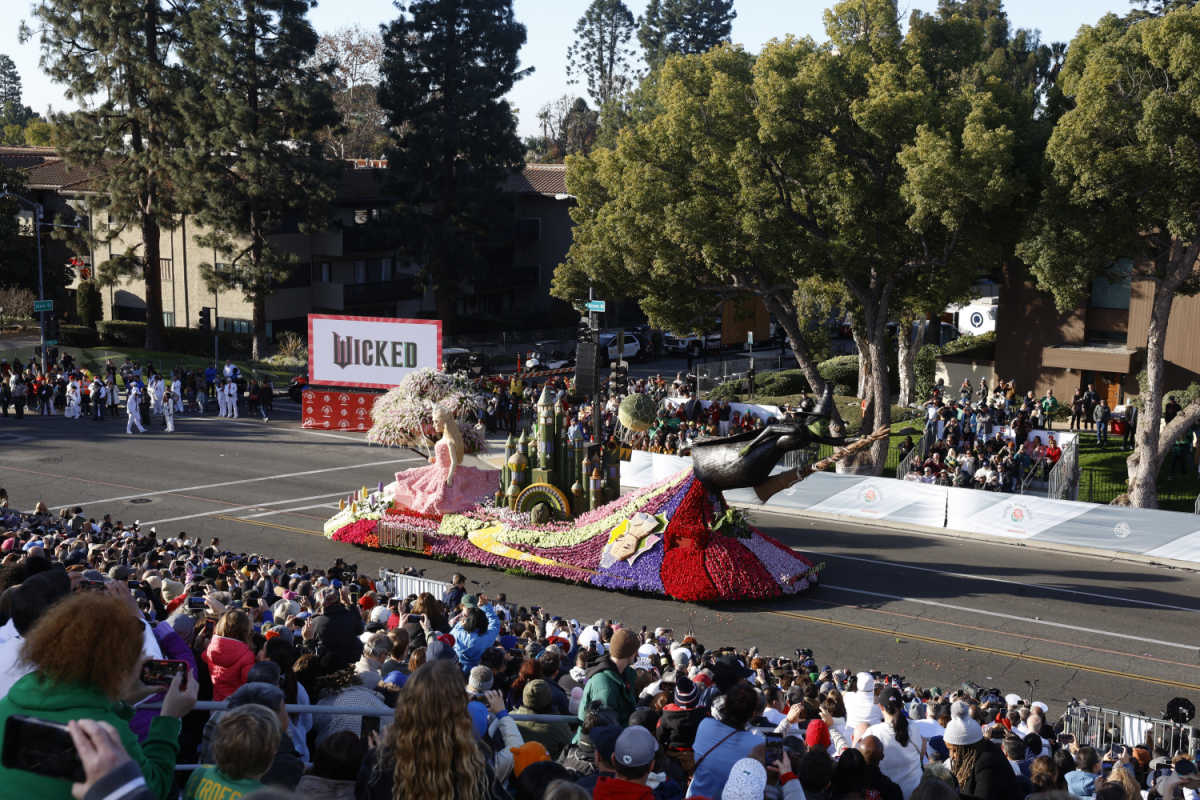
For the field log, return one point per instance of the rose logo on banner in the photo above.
(327, 410)
(343, 398)
(1122, 530)
(870, 495)
(1018, 515)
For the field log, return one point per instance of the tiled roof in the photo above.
(547, 179)
(55, 173)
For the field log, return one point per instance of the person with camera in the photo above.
(87, 656)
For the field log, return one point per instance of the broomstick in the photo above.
(777, 483)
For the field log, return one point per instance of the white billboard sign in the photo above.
(370, 352)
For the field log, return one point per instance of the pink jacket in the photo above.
(229, 662)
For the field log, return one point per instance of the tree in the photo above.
(1124, 184)
(600, 54)
(568, 127)
(115, 59)
(355, 55)
(447, 66)
(38, 133)
(89, 306)
(254, 163)
(683, 27)
(841, 161)
(10, 83)
(18, 264)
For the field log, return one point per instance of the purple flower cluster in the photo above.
(643, 574)
(782, 565)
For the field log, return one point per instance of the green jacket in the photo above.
(555, 736)
(613, 689)
(34, 697)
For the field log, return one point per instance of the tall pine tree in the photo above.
(683, 27)
(253, 157)
(116, 59)
(600, 53)
(447, 66)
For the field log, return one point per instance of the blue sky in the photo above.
(550, 23)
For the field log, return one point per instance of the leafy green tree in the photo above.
(89, 306)
(116, 58)
(841, 161)
(683, 27)
(10, 82)
(568, 127)
(253, 157)
(447, 66)
(1125, 183)
(38, 133)
(600, 54)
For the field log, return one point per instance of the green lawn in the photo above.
(1103, 474)
(94, 358)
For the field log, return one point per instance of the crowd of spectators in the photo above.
(69, 389)
(602, 709)
(994, 440)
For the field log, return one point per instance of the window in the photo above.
(1113, 293)
(360, 272)
(233, 325)
(221, 266)
(385, 269)
(169, 319)
(166, 269)
(325, 272)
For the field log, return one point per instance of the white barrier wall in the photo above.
(1159, 534)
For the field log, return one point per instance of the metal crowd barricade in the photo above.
(1064, 476)
(397, 584)
(1100, 727)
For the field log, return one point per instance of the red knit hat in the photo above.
(817, 735)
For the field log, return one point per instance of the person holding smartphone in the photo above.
(86, 652)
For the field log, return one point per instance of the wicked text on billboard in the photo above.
(374, 352)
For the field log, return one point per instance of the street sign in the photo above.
(43, 305)
(51, 342)
(595, 305)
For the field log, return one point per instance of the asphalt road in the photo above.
(937, 610)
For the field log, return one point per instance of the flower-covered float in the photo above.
(677, 538)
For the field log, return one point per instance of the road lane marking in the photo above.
(1053, 662)
(275, 525)
(285, 510)
(242, 481)
(991, 579)
(1014, 617)
(234, 509)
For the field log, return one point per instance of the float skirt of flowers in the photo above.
(658, 540)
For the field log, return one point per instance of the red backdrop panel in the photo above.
(336, 409)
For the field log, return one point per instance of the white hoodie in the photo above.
(860, 705)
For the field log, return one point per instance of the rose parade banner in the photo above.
(370, 352)
(335, 409)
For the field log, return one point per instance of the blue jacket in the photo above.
(470, 646)
(1081, 784)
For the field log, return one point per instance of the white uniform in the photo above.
(169, 411)
(177, 390)
(73, 401)
(157, 387)
(135, 413)
(231, 400)
(221, 404)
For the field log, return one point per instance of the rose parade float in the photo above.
(555, 508)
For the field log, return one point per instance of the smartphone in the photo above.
(133, 584)
(774, 748)
(1113, 750)
(41, 747)
(160, 672)
(197, 603)
(1066, 738)
(209, 624)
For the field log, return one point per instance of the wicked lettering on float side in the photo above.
(348, 351)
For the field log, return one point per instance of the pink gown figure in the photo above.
(443, 487)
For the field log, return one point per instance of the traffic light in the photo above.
(621, 379)
(584, 331)
(51, 329)
(205, 319)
